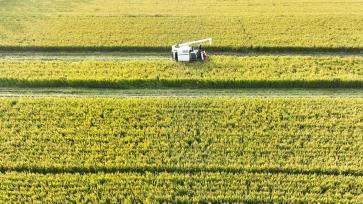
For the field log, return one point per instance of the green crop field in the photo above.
(154, 25)
(92, 110)
(220, 72)
(260, 149)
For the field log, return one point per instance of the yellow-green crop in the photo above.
(300, 135)
(179, 187)
(220, 72)
(144, 24)
(181, 149)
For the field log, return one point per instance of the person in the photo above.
(199, 55)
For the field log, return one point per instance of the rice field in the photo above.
(182, 188)
(231, 149)
(153, 25)
(93, 111)
(219, 72)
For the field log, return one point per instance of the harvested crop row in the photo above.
(220, 72)
(172, 187)
(302, 135)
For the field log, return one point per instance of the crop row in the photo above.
(220, 72)
(239, 25)
(171, 187)
(318, 135)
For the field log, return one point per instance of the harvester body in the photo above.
(185, 52)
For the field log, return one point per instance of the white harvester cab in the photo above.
(185, 52)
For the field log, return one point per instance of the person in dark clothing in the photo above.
(199, 51)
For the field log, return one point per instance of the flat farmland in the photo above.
(219, 72)
(92, 110)
(285, 25)
(201, 149)
(179, 187)
(297, 134)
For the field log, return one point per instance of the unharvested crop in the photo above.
(178, 187)
(155, 25)
(301, 135)
(220, 72)
(181, 149)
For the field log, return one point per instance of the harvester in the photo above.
(185, 52)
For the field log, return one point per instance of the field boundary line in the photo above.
(238, 49)
(179, 83)
(123, 93)
(122, 56)
(181, 170)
